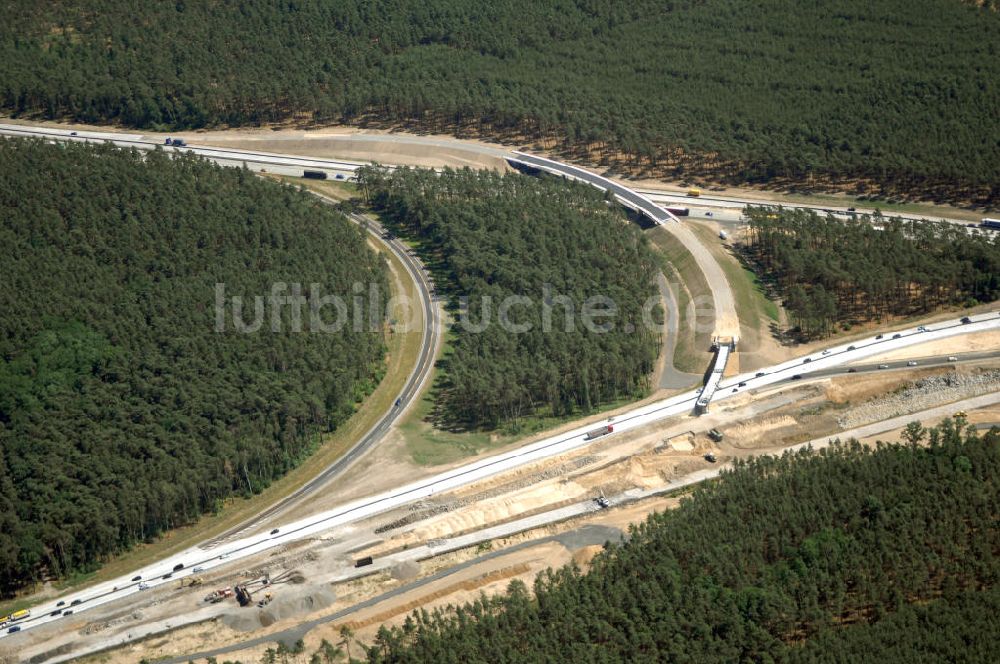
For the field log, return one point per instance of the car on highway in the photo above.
(137, 577)
(807, 360)
(966, 320)
(143, 586)
(897, 336)
(56, 612)
(911, 363)
(15, 628)
(72, 133)
(223, 556)
(796, 377)
(852, 348)
(742, 385)
(167, 575)
(75, 602)
(826, 352)
(852, 370)
(759, 374)
(197, 569)
(921, 329)
(274, 532)
(61, 602)
(952, 358)
(68, 612)
(879, 336)
(340, 176)
(883, 366)
(178, 567)
(850, 209)
(708, 214)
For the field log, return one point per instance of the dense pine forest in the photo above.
(845, 555)
(123, 412)
(832, 270)
(900, 95)
(493, 236)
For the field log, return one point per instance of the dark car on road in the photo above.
(178, 567)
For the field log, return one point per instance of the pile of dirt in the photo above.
(286, 604)
(95, 627)
(922, 395)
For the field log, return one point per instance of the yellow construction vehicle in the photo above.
(694, 192)
(191, 582)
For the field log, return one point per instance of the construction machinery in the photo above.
(217, 596)
(190, 582)
(244, 591)
(265, 600)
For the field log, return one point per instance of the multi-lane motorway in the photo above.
(227, 552)
(224, 156)
(231, 547)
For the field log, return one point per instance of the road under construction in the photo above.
(223, 552)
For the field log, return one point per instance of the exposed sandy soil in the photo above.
(860, 387)
(749, 435)
(342, 143)
(980, 341)
(647, 458)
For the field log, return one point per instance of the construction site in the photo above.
(447, 549)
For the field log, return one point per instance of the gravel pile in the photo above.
(93, 628)
(921, 395)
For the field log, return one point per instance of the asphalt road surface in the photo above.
(353, 511)
(421, 371)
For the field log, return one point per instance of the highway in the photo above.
(738, 204)
(628, 197)
(231, 547)
(421, 371)
(224, 156)
(353, 511)
(727, 323)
